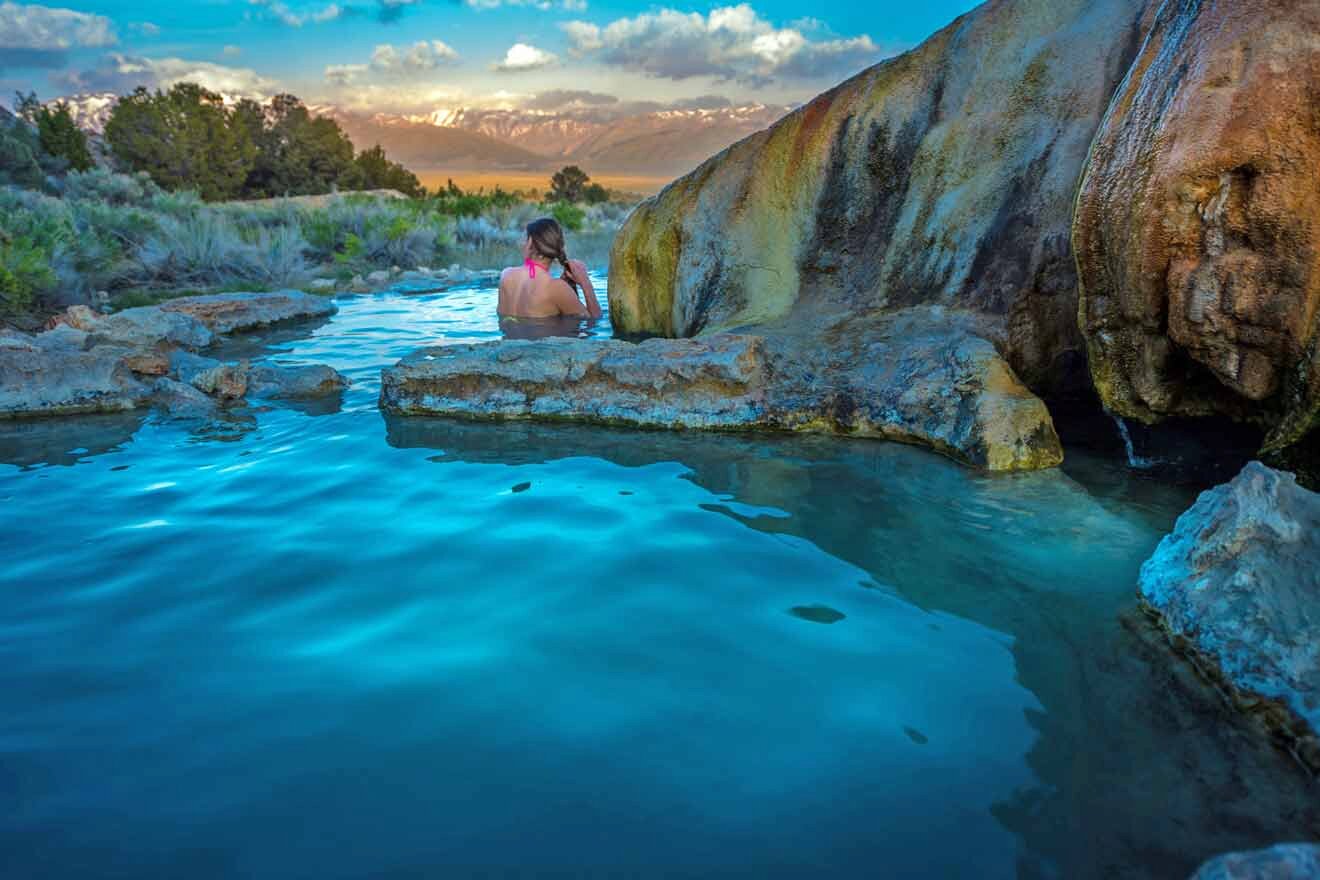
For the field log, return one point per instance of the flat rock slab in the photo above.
(141, 327)
(237, 312)
(664, 383)
(1238, 581)
(916, 383)
(57, 373)
(1286, 861)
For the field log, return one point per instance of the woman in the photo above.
(530, 292)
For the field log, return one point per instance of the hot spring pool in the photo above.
(318, 643)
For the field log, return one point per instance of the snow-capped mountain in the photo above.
(664, 142)
(573, 133)
(91, 112)
(661, 142)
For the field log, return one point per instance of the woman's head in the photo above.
(545, 241)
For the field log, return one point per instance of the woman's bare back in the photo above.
(530, 291)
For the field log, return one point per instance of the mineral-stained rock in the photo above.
(144, 327)
(236, 312)
(945, 176)
(313, 380)
(55, 372)
(929, 376)
(1286, 861)
(152, 363)
(1197, 229)
(917, 377)
(1238, 582)
(210, 376)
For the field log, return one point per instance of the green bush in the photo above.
(25, 273)
(569, 215)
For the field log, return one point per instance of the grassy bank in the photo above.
(127, 237)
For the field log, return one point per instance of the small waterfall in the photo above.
(1134, 461)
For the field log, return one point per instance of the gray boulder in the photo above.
(279, 382)
(179, 400)
(237, 312)
(210, 376)
(1286, 861)
(142, 327)
(1238, 582)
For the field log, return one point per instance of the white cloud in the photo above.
(396, 98)
(122, 73)
(521, 56)
(231, 51)
(283, 13)
(147, 29)
(543, 5)
(732, 42)
(46, 28)
(421, 56)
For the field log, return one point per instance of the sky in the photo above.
(416, 56)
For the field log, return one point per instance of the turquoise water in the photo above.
(321, 643)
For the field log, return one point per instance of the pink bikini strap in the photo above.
(531, 268)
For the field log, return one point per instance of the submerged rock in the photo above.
(897, 380)
(1238, 583)
(1286, 861)
(181, 400)
(1198, 221)
(237, 312)
(280, 382)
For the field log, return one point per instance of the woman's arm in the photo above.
(588, 292)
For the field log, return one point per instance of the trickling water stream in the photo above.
(327, 644)
(1135, 461)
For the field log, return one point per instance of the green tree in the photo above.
(567, 184)
(376, 171)
(19, 149)
(62, 138)
(304, 155)
(182, 139)
(595, 194)
(248, 118)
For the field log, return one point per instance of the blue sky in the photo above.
(417, 55)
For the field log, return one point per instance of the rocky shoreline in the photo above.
(153, 356)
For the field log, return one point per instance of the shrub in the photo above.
(569, 215)
(25, 273)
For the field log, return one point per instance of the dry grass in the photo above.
(472, 181)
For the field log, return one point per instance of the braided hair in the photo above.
(547, 238)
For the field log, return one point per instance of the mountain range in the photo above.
(649, 141)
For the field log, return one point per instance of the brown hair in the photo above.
(547, 238)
